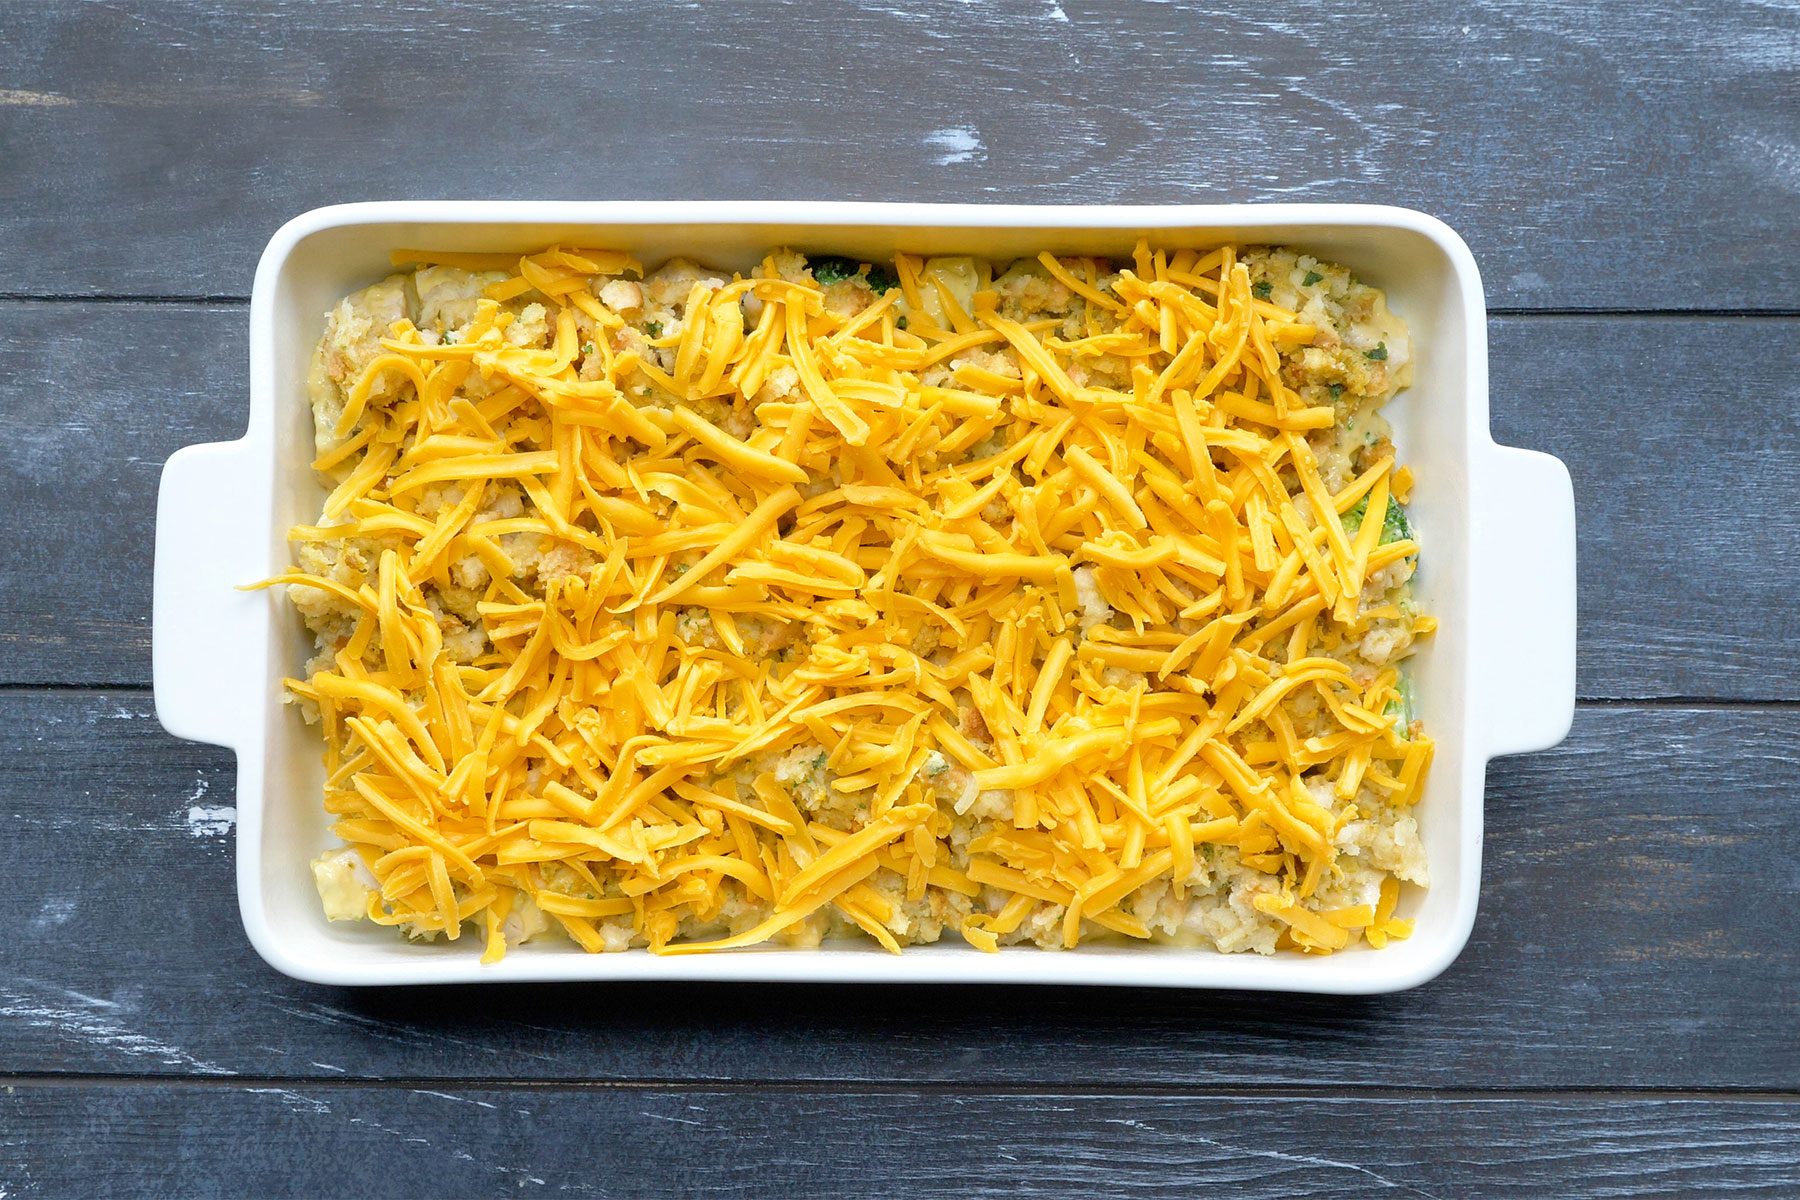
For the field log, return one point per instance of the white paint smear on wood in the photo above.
(20, 98)
(89, 1019)
(57, 910)
(203, 821)
(958, 144)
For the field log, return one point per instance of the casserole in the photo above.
(1499, 573)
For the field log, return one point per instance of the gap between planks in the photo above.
(801, 1087)
(175, 301)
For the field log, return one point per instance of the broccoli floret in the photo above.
(881, 279)
(1394, 525)
(653, 328)
(832, 268)
(828, 269)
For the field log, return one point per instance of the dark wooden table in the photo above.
(1627, 1018)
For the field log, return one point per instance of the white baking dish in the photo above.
(1497, 525)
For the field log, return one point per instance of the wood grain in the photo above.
(1622, 1022)
(93, 398)
(1594, 155)
(430, 1141)
(1689, 537)
(1686, 474)
(1633, 933)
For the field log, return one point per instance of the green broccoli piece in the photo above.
(1378, 354)
(832, 268)
(1312, 277)
(882, 279)
(653, 328)
(1262, 290)
(1394, 525)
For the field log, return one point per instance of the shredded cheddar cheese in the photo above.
(697, 611)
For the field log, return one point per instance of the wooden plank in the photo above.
(1683, 439)
(111, 1140)
(1634, 932)
(1682, 593)
(93, 398)
(1594, 155)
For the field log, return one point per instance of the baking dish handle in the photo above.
(204, 630)
(1524, 601)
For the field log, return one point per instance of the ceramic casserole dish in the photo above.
(1498, 570)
